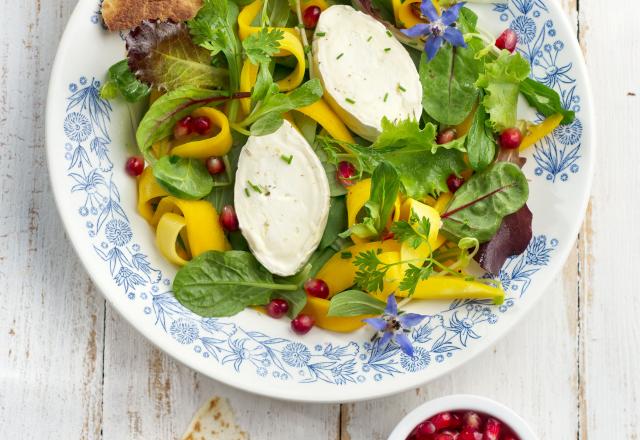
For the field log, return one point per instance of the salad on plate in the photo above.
(329, 162)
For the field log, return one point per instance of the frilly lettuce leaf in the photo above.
(501, 83)
(162, 55)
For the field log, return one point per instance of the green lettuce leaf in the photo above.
(162, 55)
(481, 145)
(545, 100)
(122, 82)
(501, 83)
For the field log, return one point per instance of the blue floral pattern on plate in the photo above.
(439, 337)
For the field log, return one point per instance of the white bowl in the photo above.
(463, 402)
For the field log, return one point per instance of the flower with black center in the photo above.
(396, 326)
(440, 29)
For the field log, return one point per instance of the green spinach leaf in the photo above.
(336, 223)
(545, 100)
(224, 283)
(355, 303)
(296, 299)
(481, 145)
(478, 207)
(182, 177)
(267, 124)
(122, 82)
(501, 83)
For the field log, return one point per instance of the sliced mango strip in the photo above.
(422, 252)
(357, 195)
(537, 132)
(448, 288)
(317, 308)
(149, 190)
(339, 272)
(203, 230)
(443, 202)
(217, 145)
(169, 228)
(289, 45)
(320, 112)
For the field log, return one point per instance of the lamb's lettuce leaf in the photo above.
(545, 100)
(501, 83)
(183, 177)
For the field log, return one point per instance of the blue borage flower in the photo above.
(395, 326)
(440, 28)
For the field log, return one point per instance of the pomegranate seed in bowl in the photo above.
(462, 425)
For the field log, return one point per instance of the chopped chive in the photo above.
(321, 34)
(287, 159)
(389, 34)
(369, 39)
(387, 49)
(350, 101)
(307, 49)
(339, 56)
(386, 95)
(346, 255)
(402, 89)
(246, 191)
(254, 187)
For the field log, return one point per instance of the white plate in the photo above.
(88, 141)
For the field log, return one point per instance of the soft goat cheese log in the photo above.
(282, 207)
(365, 71)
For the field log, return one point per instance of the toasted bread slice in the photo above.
(126, 14)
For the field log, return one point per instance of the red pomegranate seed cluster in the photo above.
(345, 173)
(462, 425)
(188, 125)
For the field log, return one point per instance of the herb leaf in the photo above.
(261, 46)
(480, 143)
(478, 207)
(161, 54)
(501, 82)
(224, 283)
(412, 276)
(545, 100)
(371, 271)
(414, 232)
(355, 303)
(122, 81)
(182, 177)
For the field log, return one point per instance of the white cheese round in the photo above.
(281, 197)
(366, 73)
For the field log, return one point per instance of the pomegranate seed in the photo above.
(316, 287)
(492, 429)
(454, 182)
(301, 324)
(442, 420)
(456, 421)
(215, 165)
(345, 173)
(470, 434)
(388, 236)
(134, 166)
(509, 437)
(510, 138)
(229, 219)
(424, 430)
(277, 308)
(507, 40)
(182, 128)
(311, 16)
(471, 420)
(201, 125)
(445, 436)
(446, 136)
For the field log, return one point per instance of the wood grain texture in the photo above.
(569, 368)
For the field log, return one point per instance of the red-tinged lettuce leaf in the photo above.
(162, 55)
(512, 238)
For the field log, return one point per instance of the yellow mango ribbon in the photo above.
(200, 221)
(216, 145)
(537, 132)
(320, 112)
(448, 288)
(357, 195)
(339, 272)
(289, 45)
(318, 308)
(149, 191)
(404, 12)
(417, 255)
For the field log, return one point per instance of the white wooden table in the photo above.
(571, 368)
